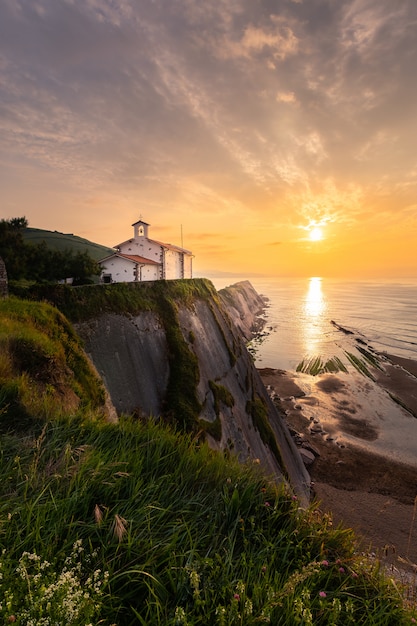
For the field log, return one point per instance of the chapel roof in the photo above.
(135, 258)
(169, 246)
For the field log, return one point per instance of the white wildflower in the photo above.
(180, 616)
(248, 607)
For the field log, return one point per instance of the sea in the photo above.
(303, 317)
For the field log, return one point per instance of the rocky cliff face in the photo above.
(244, 306)
(188, 357)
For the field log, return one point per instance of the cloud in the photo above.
(278, 42)
(235, 108)
(286, 96)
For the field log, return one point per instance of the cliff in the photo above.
(244, 306)
(176, 350)
(185, 359)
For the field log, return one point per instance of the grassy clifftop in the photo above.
(87, 301)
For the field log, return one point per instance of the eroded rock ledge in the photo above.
(186, 358)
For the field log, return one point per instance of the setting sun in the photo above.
(316, 234)
(293, 182)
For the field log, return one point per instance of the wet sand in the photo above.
(362, 437)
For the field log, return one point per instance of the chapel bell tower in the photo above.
(140, 229)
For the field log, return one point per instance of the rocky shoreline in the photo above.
(355, 436)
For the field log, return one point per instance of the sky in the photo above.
(269, 137)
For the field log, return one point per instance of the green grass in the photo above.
(136, 523)
(43, 368)
(88, 301)
(186, 535)
(65, 241)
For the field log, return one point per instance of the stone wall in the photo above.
(3, 280)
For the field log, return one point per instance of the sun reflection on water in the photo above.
(314, 326)
(314, 301)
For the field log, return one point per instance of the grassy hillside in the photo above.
(43, 369)
(133, 523)
(65, 241)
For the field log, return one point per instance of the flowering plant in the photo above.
(41, 596)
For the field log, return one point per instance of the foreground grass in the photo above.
(134, 524)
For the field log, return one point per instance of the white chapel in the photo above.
(141, 258)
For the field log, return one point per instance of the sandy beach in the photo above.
(359, 439)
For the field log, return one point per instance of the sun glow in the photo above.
(315, 234)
